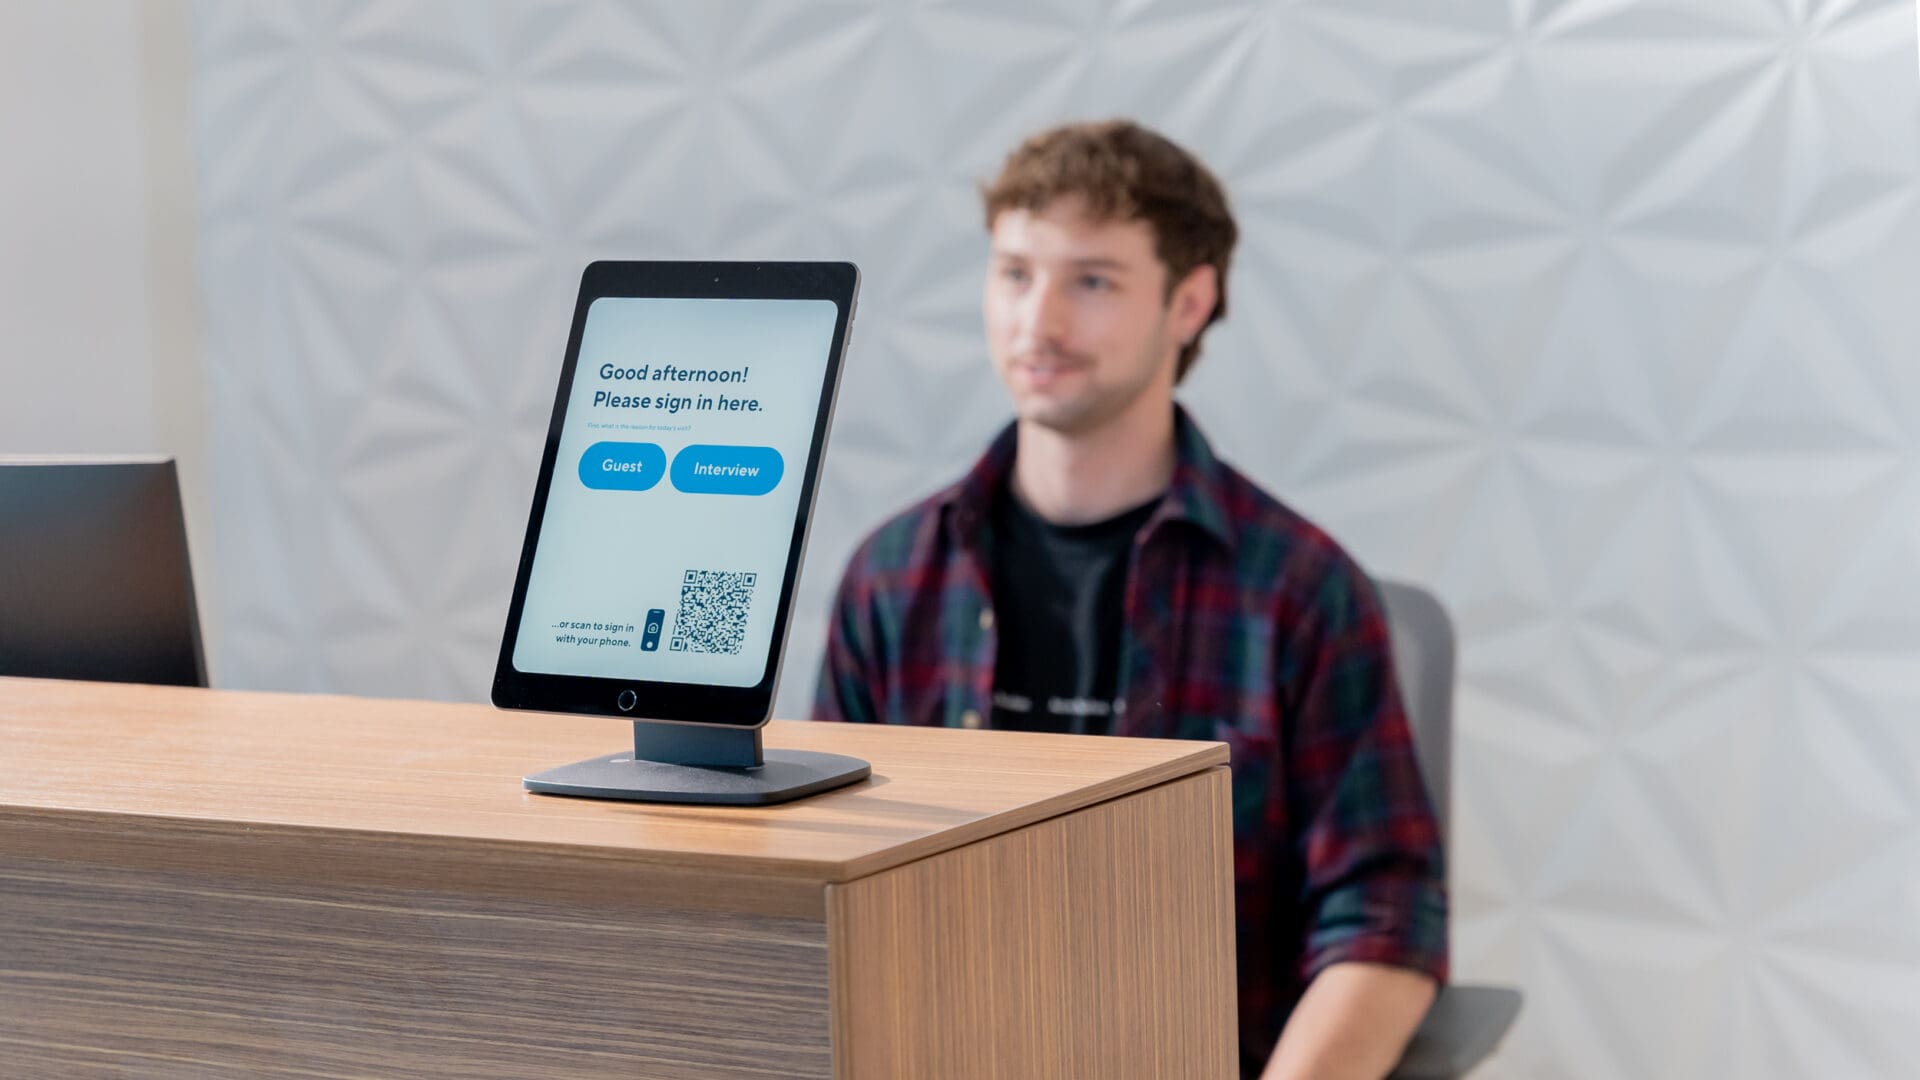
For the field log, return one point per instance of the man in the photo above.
(1100, 571)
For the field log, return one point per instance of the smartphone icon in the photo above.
(650, 641)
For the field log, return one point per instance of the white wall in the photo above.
(76, 370)
(1598, 318)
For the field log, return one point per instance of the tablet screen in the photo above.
(664, 541)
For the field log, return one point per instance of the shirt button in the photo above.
(986, 618)
(970, 719)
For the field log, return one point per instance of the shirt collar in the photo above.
(1196, 494)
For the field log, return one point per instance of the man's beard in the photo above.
(1096, 404)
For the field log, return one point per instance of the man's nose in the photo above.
(1043, 316)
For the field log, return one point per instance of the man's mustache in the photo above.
(1049, 357)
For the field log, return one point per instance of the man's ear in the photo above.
(1193, 301)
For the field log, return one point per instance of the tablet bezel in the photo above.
(730, 706)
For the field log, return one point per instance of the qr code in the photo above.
(713, 611)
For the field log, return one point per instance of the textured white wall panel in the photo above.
(1601, 318)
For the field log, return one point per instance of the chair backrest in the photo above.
(94, 575)
(1423, 657)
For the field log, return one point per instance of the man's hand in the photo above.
(1353, 1023)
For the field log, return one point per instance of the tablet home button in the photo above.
(628, 699)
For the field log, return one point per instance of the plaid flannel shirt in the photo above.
(1244, 623)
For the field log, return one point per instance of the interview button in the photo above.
(727, 470)
(622, 466)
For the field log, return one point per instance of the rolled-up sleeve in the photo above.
(1373, 880)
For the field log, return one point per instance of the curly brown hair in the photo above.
(1126, 172)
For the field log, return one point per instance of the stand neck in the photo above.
(697, 744)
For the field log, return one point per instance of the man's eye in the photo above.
(1014, 273)
(1096, 283)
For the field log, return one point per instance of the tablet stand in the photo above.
(700, 763)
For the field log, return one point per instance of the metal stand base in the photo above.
(679, 763)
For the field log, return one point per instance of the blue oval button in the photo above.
(622, 466)
(727, 470)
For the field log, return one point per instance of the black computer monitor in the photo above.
(94, 575)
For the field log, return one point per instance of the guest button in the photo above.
(622, 466)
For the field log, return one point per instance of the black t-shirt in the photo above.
(1058, 601)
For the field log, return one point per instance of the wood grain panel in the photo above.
(585, 877)
(1098, 944)
(107, 971)
(356, 767)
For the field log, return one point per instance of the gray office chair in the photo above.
(1466, 1023)
(94, 577)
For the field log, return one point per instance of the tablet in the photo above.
(675, 490)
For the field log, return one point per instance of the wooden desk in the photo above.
(222, 884)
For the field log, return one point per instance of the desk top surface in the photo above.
(290, 764)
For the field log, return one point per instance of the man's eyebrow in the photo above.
(1090, 262)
